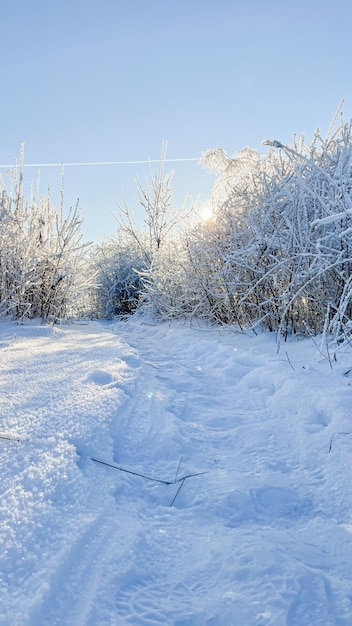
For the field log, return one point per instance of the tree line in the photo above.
(275, 253)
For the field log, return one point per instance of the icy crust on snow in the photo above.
(262, 537)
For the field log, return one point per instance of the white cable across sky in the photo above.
(79, 164)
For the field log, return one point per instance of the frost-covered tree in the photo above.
(43, 259)
(131, 265)
(159, 218)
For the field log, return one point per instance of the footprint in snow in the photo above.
(315, 603)
(280, 502)
(100, 378)
(132, 360)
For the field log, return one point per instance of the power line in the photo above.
(81, 164)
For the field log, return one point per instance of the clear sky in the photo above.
(109, 80)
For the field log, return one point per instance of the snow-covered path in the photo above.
(261, 537)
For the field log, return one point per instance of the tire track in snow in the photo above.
(84, 576)
(273, 478)
(250, 541)
(59, 387)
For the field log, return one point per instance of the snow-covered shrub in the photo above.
(118, 263)
(315, 220)
(43, 261)
(277, 251)
(167, 287)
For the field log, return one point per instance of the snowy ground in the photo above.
(263, 538)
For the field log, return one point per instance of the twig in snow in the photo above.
(288, 358)
(331, 440)
(190, 476)
(178, 469)
(182, 482)
(178, 490)
(9, 438)
(121, 469)
(156, 480)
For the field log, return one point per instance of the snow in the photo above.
(262, 536)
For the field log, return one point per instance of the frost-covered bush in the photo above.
(167, 286)
(119, 284)
(44, 270)
(277, 251)
(284, 242)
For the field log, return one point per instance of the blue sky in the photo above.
(109, 80)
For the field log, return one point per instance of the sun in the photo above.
(206, 213)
